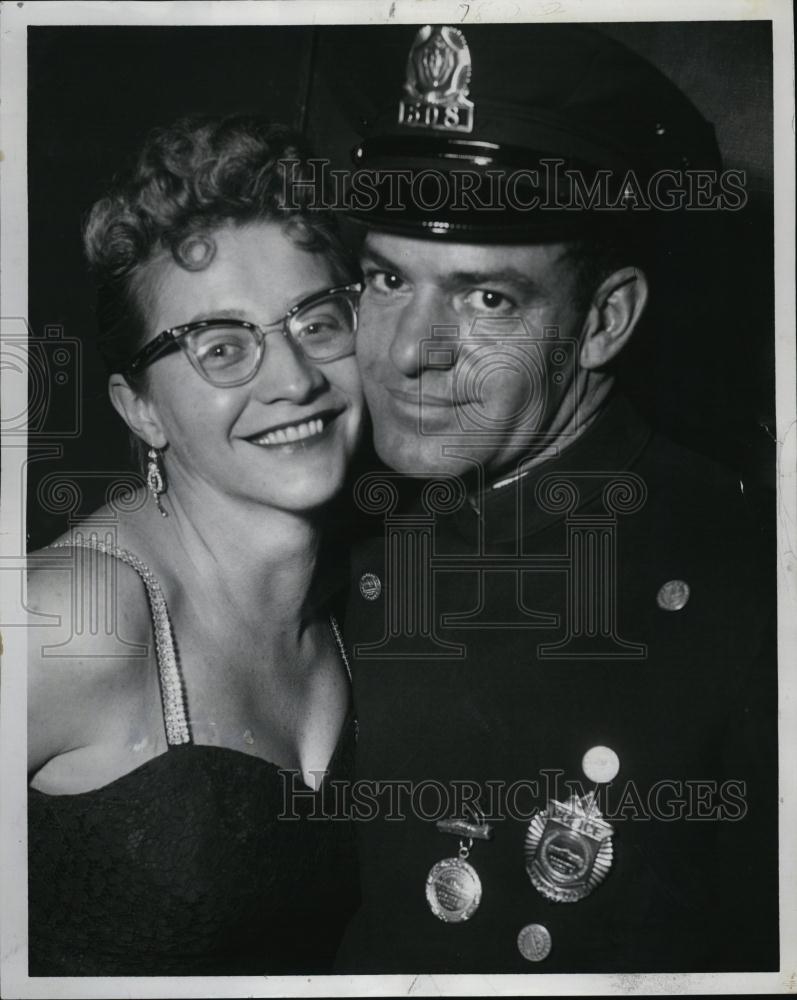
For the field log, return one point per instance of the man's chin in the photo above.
(424, 459)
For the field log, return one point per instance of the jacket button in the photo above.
(370, 586)
(534, 942)
(673, 595)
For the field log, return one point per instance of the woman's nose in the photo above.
(286, 372)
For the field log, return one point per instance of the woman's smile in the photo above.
(300, 434)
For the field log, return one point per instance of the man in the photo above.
(562, 645)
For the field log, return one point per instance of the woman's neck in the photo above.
(257, 562)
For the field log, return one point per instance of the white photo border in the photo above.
(14, 21)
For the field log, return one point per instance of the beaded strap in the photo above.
(339, 640)
(171, 682)
(342, 650)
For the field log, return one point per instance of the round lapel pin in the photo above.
(673, 595)
(370, 586)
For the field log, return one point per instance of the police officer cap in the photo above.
(522, 109)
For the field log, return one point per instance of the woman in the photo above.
(164, 836)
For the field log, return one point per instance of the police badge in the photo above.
(569, 849)
(438, 74)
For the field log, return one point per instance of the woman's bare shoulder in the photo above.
(74, 582)
(89, 643)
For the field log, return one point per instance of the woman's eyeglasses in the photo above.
(228, 352)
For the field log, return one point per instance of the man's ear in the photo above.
(137, 411)
(615, 311)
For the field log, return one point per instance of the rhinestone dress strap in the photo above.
(341, 648)
(171, 681)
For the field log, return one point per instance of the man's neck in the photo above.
(566, 428)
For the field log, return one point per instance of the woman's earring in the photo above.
(155, 482)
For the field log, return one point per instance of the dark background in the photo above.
(702, 366)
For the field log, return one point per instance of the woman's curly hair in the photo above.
(191, 178)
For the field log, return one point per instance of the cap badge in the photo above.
(569, 849)
(438, 74)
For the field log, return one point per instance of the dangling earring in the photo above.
(155, 479)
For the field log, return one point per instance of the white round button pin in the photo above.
(600, 764)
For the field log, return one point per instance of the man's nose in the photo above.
(286, 373)
(412, 346)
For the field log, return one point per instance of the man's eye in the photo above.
(384, 282)
(483, 300)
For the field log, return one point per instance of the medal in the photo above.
(453, 887)
(569, 849)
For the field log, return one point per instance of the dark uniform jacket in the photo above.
(620, 595)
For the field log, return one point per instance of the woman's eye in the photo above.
(319, 328)
(384, 282)
(483, 300)
(220, 347)
(223, 350)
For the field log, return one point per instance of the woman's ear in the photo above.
(615, 311)
(137, 411)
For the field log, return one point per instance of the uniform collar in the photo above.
(509, 508)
